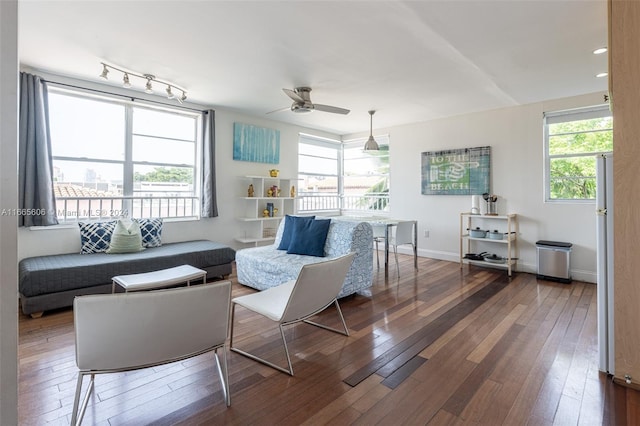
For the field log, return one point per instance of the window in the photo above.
(572, 141)
(113, 158)
(366, 176)
(319, 174)
(338, 176)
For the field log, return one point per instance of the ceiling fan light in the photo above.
(301, 109)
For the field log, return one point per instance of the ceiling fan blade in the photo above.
(329, 108)
(293, 95)
(279, 110)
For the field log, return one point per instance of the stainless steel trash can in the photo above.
(554, 260)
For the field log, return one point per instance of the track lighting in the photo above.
(371, 144)
(150, 80)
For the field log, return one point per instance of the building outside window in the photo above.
(573, 139)
(115, 158)
(336, 177)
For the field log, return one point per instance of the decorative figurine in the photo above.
(274, 172)
(265, 213)
(293, 191)
(275, 191)
(269, 192)
(250, 191)
(270, 209)
(275, 211)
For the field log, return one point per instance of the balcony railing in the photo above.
(74, 208)
(326, 202)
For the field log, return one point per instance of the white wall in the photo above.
(515, 135)
(8, 224)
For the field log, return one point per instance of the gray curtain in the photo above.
(35, 166)
(209, 203)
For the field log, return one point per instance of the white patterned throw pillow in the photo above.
(95, 236)
(151, 230)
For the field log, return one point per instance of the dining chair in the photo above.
(403, 235)
(128, 331)
(315, 289)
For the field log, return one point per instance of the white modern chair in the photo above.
(316, 288)
(403, 235)
(128, 331)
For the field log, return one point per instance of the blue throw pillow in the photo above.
(95, 236)
(289, 224)
(309, 237)
(151, 230)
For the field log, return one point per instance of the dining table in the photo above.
(383, 228)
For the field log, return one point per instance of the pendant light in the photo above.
(371, 144)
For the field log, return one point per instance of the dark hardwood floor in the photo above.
(437, 346)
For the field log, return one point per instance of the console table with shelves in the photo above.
(507, 246)
(258, 228)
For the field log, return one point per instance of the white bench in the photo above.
(158, 279)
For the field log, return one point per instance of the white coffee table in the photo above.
(158, 279)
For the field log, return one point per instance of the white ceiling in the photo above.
(410, 60)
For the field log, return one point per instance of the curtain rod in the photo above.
(132, 98)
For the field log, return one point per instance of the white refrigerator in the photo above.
(604, 250)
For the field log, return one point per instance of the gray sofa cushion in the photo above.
(59, 273)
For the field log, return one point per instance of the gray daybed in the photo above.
(50, 282)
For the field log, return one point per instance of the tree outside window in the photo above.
(573, 140)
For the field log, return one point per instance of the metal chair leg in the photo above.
(78, 413)
(395, 251)
(223, 372)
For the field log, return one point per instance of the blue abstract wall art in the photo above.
(256, 144)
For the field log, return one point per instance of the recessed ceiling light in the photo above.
(602, 74)
(600, 51)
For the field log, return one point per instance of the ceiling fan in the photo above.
(302, 103)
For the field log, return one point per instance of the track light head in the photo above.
(147, 87)
(105, 71)
(125, 81)
(170, 94)
(182, 98)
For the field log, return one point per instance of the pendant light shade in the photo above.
(371, 144)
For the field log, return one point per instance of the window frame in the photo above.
(304, 138)
(128, 164)
(308, 139)
(564, 116)
(382, 140)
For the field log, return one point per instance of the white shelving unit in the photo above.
(506, 247)
(256, 227)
